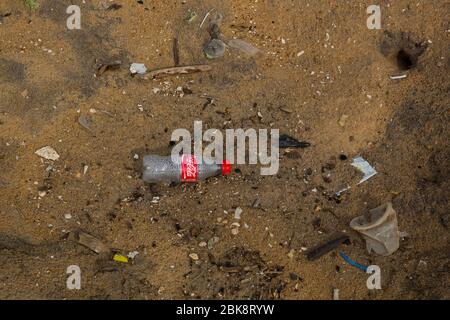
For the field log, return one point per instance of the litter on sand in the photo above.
(379, 227)
(335, 294)
(205, 17)
(326, 247)
(351, 262)
(48, 153)
(138, 68)
(191, 17)
(89, 241)
(403, 76)
(214, 48)
(243, 46)
(363, 166)
(85, 123)
(120, 258)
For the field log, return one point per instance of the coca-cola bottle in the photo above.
(186, 169)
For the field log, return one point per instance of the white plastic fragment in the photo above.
(138, 68)
(398, 77)
(47, 153)
(132, 254)
(243, 46)
(363, 166)
(335, 294)
(237, 213)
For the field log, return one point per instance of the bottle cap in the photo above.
(226, 167)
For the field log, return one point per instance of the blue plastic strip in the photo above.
(351, 262)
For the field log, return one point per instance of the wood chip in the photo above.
(179, 70)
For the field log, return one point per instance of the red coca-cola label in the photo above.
(189, 168)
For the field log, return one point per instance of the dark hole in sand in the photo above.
(405, 61)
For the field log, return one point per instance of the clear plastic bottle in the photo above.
(187, 169)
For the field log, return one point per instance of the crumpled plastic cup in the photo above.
(379, 227)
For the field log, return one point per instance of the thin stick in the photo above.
(176, 55)
(179, 70)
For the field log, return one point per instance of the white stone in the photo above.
(47, 153)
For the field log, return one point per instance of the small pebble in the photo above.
(193, 256)
(237, 213)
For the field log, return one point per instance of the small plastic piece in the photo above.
(380, 229)
(214, 48)
(138, 68)
(363, 166)
(245, 47)
(120, 258)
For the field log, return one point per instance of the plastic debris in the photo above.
(138, 68)
(191, 17)
(120, 258)
(132, 254)
(335, 294)
(205, 17)
(214, 48)
(363, 166)
(164, 169)
(318, 251)
(84, 122)
(379, 227)
(286, 141)
(48, 153)
(89, 241)
(403, 76)
(243, 46)
(351, 262)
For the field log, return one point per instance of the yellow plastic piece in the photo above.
(120, 258)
